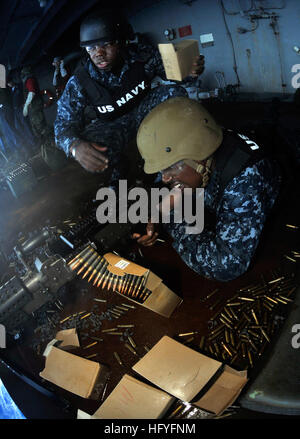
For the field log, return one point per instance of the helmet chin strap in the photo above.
(203, 169)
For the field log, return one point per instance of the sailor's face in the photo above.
(181, 176)
(104, 55)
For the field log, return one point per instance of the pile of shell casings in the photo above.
(94, 267)
(242, 329)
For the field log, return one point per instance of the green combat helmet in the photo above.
(177, 129)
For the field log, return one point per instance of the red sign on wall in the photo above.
(185, 31)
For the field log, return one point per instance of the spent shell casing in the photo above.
(225, 323)
(227, 349)
(291, 226)
(265, 334)
(254, 316)
(244, 350)
(125, 326)
(85, 316)
(130, 348)
(121, 308)
(270, 299)
(211, 294)
(289, 258)
(91, 356)
(109, 330)
(131, 341)
(117, 357)
(276, 280)
(250, 358)
(95, 338)
(64, 320)
(202, 341)
(129, 306)
(90, 345)
(176, 411)
(187, 333)
(227, 337)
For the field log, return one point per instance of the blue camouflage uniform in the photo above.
(71, 124)
(225, 252)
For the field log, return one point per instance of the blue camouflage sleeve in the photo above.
(70, 116)
(225, 254)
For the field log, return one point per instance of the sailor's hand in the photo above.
(25, 111)
(149, 238)
(198, 66)
(90, 156)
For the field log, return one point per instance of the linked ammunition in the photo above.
(114, 333)
(98, 265)
(87, 262)
(291, 226)
(100, 300)
(146, 348)
(85, 250)
(187, 333)
(93, 265)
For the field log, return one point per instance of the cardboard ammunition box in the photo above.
(160, 298)
(191, 376)
(70, 372)
(132, 399)
(178, 58)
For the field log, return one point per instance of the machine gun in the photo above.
(48, 270)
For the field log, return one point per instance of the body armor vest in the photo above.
(109, 104)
